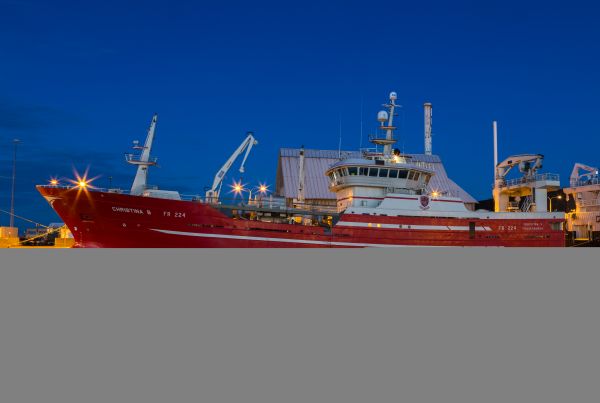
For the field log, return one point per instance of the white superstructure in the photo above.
(584, 188)
(391, 183)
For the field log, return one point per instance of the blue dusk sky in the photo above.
(80, 80)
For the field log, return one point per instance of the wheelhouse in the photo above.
(406, 178)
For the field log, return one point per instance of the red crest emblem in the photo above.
(424, 202)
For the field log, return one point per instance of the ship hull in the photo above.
(113, 220)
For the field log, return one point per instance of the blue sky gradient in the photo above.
(79, 81)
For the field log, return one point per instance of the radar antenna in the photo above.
(386, 120)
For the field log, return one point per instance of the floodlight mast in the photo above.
(212, 195)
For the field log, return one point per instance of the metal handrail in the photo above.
(534, 178)
(587, 203)
(585, 182)
(448, 193)
(275, 203)
(136, 158)
(380, 136)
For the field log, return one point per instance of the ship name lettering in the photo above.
(127, 210)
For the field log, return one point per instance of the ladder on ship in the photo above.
(527, 204)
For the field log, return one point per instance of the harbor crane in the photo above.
(212, 195)
(528, 165)
(592, 172)
(528, 193)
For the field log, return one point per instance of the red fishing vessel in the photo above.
(383, 198)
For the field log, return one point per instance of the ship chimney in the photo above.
(427, 108)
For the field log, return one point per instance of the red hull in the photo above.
(100, 219)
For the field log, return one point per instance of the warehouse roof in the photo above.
(316, 162)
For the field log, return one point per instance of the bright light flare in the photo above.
(54, 182)
(435, 193)
(262, 188)
(82, 181)
(237, 187)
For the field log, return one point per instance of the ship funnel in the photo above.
(427, 108)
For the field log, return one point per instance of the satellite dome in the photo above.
(382, 116)
(393, 95)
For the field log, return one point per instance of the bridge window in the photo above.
(373, 171)
(383, 173)
(363, 171)
(402, 174)
(416, 177)
(393, 173)
(352, 171)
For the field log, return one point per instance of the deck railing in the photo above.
(276, 203)
(588, 203)
(136, 159)
(530, 179)
(585, 182)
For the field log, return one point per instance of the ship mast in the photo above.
(386, 120)
(142, 160)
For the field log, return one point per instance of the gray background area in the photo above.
(410, 325)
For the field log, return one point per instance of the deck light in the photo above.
(53, 182)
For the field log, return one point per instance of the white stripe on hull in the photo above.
(410, 226)
(284, 240)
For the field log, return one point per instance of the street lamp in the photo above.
(554, 197)
(14, 174)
